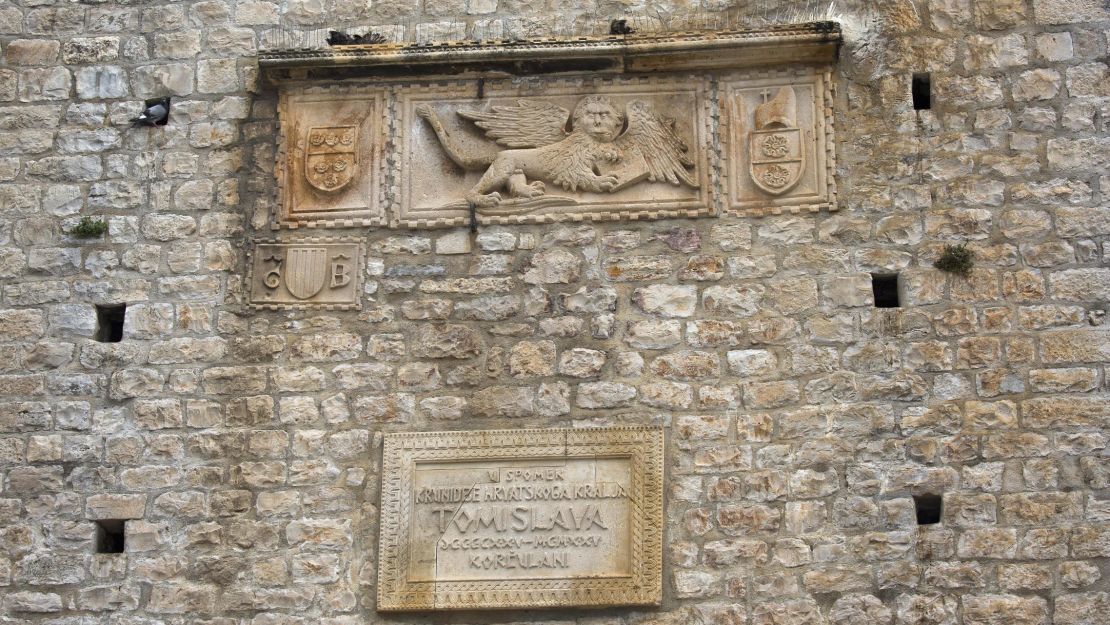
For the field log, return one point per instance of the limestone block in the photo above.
(33, 602)
(581, 362)
(1064, 12)
(715, 333)
(106, 506)
(593, 395)
(553, 266)
(446, 341)
(503, 401)
(654, 334)
(666, 300)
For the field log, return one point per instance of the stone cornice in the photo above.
(815, 42)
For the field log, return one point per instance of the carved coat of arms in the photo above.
(331, 157)
(606, 150)
(776, 150)
(305, 270)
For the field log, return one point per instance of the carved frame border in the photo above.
(826, 145)
(374, 214)
(346, 240)
(708, 158)
(401, 451)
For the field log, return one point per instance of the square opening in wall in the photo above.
(109, 536)
(928, 509)
(885, 289)
(109, 322)
(921, 90)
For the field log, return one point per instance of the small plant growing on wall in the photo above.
(956, 259)
(89, 228)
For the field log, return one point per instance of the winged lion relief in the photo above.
(532, 145)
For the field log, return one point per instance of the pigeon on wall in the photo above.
(155, 112)
(336, 38)
(620, 27)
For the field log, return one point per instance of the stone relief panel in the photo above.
(307, 273)
(778, 138)
(329, 169)
(521, 518)
(543, 151)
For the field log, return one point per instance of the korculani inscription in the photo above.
(504, 519)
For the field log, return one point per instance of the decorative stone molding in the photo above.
(685, 52)
(684, 125)
(521, 518)
(306, 273)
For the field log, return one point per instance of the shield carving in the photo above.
(331, 157)
(306, 271)
(777, 159)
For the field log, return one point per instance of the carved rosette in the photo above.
(331, 157)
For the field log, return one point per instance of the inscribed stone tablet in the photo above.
(521, 518)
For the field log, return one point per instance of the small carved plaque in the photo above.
(551, 151)
(329, 172)
(521, 518)
(309, 273)
(779, 143)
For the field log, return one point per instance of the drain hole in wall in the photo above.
(928, 508)
(109, 322)
(885, 289)
(921, 89)
(109, 536)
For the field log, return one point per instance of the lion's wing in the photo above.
(528, 124)
(656, 142)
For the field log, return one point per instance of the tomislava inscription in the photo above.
(525, 519)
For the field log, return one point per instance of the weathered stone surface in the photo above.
(740, 301)
(553, 266)
(666, 300)
(686, 365)
(503, 401)
(604, 395)
(983, 609)
(532, 359)
(638, 268)
(106, 506)
(581, 363)
(654, 334)
(446, 341)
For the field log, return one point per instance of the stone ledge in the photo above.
(815, 42)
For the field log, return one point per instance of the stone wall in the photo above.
(243, 447)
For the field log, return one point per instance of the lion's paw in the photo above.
(607, 183)
(484, 201)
